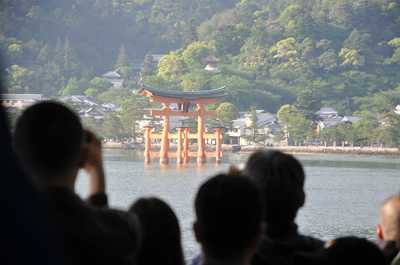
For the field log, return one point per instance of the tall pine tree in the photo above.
(123, 59)
(190, 34)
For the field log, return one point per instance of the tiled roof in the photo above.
(118, 84)
(239, 122)
(111, 74)
(100, 110)
(326, 111)
(351, 119)
(81, 99)
(211, 58)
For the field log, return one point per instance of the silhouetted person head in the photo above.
(281, 178)
(343, 251)
(387, 226)
(229, 216)
(48, 140)
(161, 238)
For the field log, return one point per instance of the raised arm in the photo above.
(94, 165)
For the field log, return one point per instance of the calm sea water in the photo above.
(343, 193)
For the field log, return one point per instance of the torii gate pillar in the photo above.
(201, 155)
(218, 151)
(179, 158)
(186, 148)
(165, 141)
(147, 150)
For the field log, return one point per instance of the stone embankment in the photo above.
(330, 150)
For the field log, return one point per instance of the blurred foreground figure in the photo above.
(26, 235)
(161, 236)
(52, 147)
(229, 221)
(387, 227)
(281, 178)
(343, 251)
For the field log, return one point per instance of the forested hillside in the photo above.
(271, 51)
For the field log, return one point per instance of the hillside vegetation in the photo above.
(342, 53)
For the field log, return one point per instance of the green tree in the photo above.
(20, 79)
(14, 53)
(97, 86)
(123, 59)
(396, 55)
(132, 111)
(171, 66)
(226, 113)
(389, 131)
(127, 72)
(307, 104)
(352, 57)
(196, 81)
(348, 133)
(190, 34)
(193, 55)
(75, 87)
(230, 38)
(112, 126)
(286, 112)
(334, 133)
(386, 101)
(279, 137)
(298, 21)
(299, 127)
(114, 95)
(148, 68)
(366, 127)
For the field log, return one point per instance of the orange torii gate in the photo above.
(183, 99)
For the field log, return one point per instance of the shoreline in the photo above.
(320, 150)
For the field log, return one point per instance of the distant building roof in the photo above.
(81, 99)
(156, 57)
(96, 109)
(327, 111)
(111, 74)
(211, 59)
(331, 120)
(23, 96)
(118, 84)
(351, 119)
(112, 106)
(239, 122)
(115, 78)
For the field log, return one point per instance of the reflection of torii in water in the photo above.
(183, 99)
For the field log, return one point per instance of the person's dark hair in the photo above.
(281, 178)
(48, 140)
(229, 214)
(161, 238)
(343, 251)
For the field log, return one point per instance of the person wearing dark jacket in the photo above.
(281, 178)
(52, 146)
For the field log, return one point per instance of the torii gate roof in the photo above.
(164, 96)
